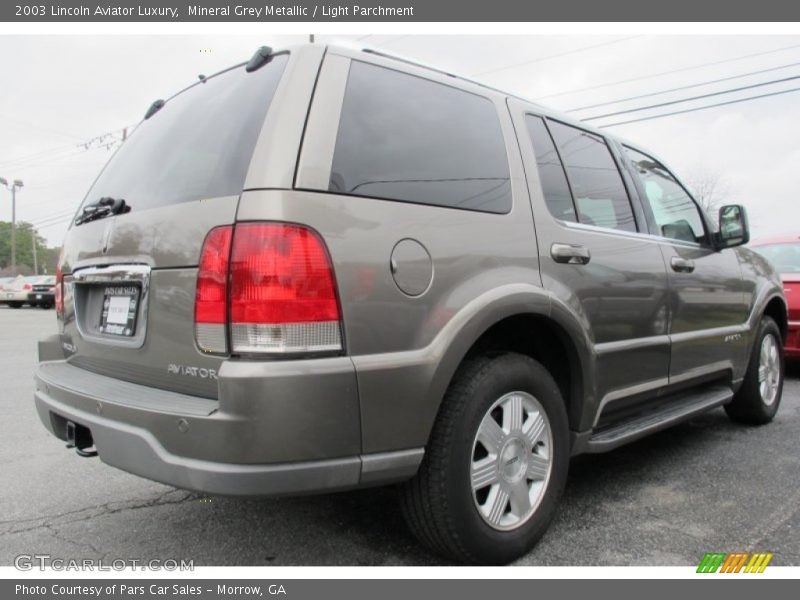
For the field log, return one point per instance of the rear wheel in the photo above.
(496, 463)
(15, 304)
(758, 399)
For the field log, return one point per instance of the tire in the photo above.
(758, 399)
(15, 304)
(440, 505)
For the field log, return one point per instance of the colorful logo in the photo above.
(735, 562)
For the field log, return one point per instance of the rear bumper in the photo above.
(278, 428)
(41, 298)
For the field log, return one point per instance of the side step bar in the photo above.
(679, 409)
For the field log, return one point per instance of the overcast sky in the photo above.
(61, 91)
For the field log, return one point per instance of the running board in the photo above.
(681, 408)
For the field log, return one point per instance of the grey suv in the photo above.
(330, 268)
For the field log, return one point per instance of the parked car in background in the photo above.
(43, 292)
(784, 254)
(15, 292)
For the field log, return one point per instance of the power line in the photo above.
(551, 56)
(39, 127)
(59, 218)
(682, 100)
(689, 110)
(681, 70)
(37, 154)
(683, 87)
(67, 220)
(104, 140)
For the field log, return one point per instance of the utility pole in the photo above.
(13, 187)
(33, 243)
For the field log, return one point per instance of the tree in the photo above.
(709, 189)
(25, 233)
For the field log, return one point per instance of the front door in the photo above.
(596, 257)
(708, 302)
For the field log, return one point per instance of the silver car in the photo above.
(330, 268)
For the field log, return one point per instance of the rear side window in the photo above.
(199, 145)
(600, 195)
(677, 216)
(406, 138)
(551, 172)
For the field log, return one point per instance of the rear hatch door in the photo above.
(130, 277)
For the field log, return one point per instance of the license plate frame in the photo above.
(120, 310)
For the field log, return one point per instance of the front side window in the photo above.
(677, 216)
(407, 138)
(600, 195)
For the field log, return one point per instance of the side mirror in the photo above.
(733, 227)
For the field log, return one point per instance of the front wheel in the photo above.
(758, 399)
(496, 463)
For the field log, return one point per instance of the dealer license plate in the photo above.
(120, 307)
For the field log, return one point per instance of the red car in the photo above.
(784, 253)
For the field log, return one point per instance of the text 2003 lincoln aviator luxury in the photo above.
(330, 268)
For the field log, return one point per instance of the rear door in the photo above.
(130, 278)
(708, 305)
(596, 257)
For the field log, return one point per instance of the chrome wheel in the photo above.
(769, 369)
(511, 461)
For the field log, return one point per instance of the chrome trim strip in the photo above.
(633, 234)
(632, 344)
(114, 274)
(685, 336)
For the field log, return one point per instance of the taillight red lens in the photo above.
(27, 286)
(211, 299)
(280, 274)
(279, 283)
(283, 294)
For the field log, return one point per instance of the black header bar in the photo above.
(410, 11)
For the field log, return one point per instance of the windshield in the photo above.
(785, 257)
(197, 146)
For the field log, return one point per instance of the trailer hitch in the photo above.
(80, 438)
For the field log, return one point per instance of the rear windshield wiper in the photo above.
(101, 209)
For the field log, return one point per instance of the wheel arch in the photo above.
(523, 322)
(776, 309)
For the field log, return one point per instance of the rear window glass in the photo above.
(406, 138)
(551, 172)
(600, 194)
(197, 146)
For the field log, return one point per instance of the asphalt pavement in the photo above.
(708, 485)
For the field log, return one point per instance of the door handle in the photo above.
(681, 265)
(570, 254)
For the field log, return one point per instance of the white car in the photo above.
(14, 293)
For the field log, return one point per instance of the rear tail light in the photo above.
(280, 290)
(27, 286)
(211, 300)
